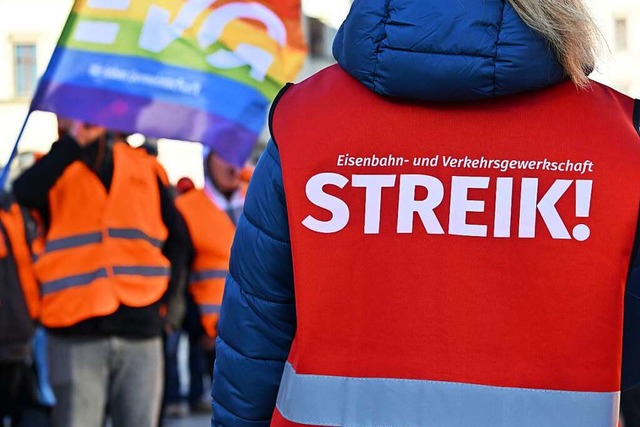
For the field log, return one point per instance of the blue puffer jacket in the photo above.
(420, 49)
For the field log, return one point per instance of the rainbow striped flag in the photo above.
(195, 70)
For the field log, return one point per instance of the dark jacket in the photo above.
(32, 190)
(429, 50)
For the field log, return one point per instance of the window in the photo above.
(621, 34)
(26, 71)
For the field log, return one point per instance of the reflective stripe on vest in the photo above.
(212, 232)
(111, 254)
(206, 309)
(85, 279)
(344, 401)
(141, 271)
(133, 234)
(79, 240)
(202, 275)
(73, 242)
(75, 281)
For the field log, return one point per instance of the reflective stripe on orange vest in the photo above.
(133, 234)
(14, 224)
(209, 309)
(212, 233)
(84, 279)
(202, 275)
(103, 249)
(480, 249)
(343, 401)
(72, 281)
(92, 238)
(72, 242)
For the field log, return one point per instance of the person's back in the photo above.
(459, 264)
(477, 255)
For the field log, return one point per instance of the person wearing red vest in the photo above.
(442, 231)
(114, 254)
(211, 214)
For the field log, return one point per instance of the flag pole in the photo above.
(14, 152)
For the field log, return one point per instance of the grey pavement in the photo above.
(193, 421)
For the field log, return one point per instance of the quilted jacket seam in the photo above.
(429, 52)
(226, 408)
(253, 295)
(385, 20)
(497, 46)
(235, 350)
(255, 225)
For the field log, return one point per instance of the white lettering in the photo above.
(96, 32)
(258, 59)
(411, 186)
(529, 207)
(504, 196)
(461, 205)
(581, 232)
(408, 205)
(339, 209)
(158, 32)
(109, 4)
(373, 198)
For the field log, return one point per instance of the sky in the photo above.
(331, 12)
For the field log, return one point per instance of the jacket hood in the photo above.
(444, 50)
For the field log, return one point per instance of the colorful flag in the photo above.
(195, 70)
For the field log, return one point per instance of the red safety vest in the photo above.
(456, 264)
(212, 233)
(103, 249)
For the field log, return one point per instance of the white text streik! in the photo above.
(531, 203)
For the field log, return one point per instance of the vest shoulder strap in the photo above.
(636, 115)
(299, 105)
(272, 111)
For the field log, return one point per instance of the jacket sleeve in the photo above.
(257, 321)
(31, 189)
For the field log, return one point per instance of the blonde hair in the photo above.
(570, 30)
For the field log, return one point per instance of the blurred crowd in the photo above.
(109, 274)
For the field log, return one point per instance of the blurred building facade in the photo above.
(619, 22)
(29, 30)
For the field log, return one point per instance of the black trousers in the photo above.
(18, 396)
(13, 390)
(630, 405)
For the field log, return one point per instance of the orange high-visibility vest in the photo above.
(212, 233)
(456, 265)
(17, 246)
(103, 249)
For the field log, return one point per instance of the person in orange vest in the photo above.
(441, 231)
(114, 255)
(19, 306)
(211, 215)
